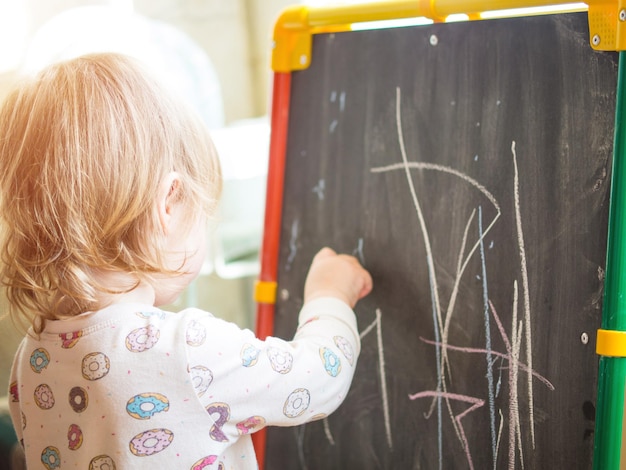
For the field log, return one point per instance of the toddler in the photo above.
(107, 185)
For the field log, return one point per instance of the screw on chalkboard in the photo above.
(595, 40)
(284, 294)
(584, 338)
(434, 40)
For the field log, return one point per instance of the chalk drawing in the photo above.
(319, 189)
(329, 435)
(293, 246)
(510, 361)
(490, 387)
(358, 252)
(300, 431)
(525, 289)
(377, 323)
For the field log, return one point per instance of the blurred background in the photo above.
(214, 53)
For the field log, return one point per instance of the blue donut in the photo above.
(160, 315)
(249, 355)
(39, 360)
(146, 405)
(332, 364)
(50, 458)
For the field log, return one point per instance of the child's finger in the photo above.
(325, 252)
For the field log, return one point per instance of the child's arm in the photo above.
(286, 383)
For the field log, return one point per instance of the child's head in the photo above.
(84, 149)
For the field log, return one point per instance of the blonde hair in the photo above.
(84, 148)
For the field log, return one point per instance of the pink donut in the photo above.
(204, 462)
(151, 442)
(250, 425)
(44, 397)
(15, 394)
(142, 339)
(74, 437)
(69, 340)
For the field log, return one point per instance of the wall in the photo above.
(236, 35)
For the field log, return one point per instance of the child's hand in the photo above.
(339, 276)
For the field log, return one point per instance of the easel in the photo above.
(292, 51)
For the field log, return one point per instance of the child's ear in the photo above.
(167, 200)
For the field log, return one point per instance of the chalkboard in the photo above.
(467, 165)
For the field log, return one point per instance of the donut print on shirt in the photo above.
(297, 403)
(220, 414)
(201, 378)
(332, 364)
(146, 414)
(249, 355)
(74, 437)
(146, 405)
(78, 399)
(345, 347)
(250, 425)
(280, 360)
(160, 315)
(196, 333)
(142, 339)
(14, 392)
(69, 340)
(204, 462)
(39, 360)
(102, 462)
(151, 442)
(44, 398)
(95, 366)
(51, 458)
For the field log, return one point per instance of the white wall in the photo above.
(236, 35)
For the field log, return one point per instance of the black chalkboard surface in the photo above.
(467, 165)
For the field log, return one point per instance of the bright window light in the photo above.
(456, 17)
(565, 8)
(13, 31)
(321, 3)
(399, 23)
(403, 22)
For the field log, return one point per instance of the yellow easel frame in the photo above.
(294, 28)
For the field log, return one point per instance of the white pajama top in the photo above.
(132, 386)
